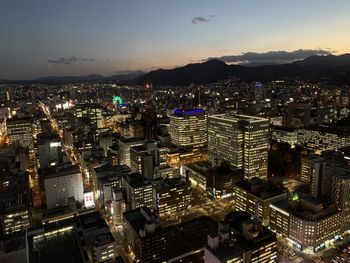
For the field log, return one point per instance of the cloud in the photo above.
(69, 60)
(272, 57)
(199, 19)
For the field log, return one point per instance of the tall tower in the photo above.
(240, 140)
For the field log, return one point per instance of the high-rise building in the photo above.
(188, 127)
(124, 145)
(240, 140)
(172, 196)
(139, 191)
(341, 197)
(49, 150)
(89, 113)
(20, 130)
(147, 241)
(298, 114)
(62, 183)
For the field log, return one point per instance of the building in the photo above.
(49, 150)
(341, 197)
(124, 145)
(107, 179)
(307, 224)
(176, 157)
(255, 196)
(322, 137)
(20, 130)
(147, 160)
(284, 134)
(188, 127)
(240, 140)
(240, 239)
(216, 179)
(298, 114)
(15, 199)
(90, 114)
(172, 196)
(146, 240)
(62, 183)
(139, 191)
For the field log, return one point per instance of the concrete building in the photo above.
(139, 191)
(240, 140)
(49, 150)
(172, 196)
(62, 183)
(284, 135)
(20, 130)
(124, 145)
(146, 240)
(188, 127)
(89, 113)
(298, 114)
(255, 196)
(307, 224)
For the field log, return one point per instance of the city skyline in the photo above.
(108, 38)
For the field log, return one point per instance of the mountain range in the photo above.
(331, 69)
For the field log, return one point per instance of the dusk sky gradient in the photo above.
(75, 37)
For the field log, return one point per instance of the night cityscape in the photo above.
(174, 131)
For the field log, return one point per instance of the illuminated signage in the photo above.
(89, 200)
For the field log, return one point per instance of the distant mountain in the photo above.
(80, 79)
(333, 69)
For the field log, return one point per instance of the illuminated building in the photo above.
(124, 145)
(107, 179)
(172, 196)
(20, 130)
(285, 135)
(240, 239)
(49, 150)
(146, 240)
(139, 191)
(321, 138)
(146, 159)
(240, 140)
(90, 112)
(306, 223)
(255, 197)
(118, 207)
(188, 127)
(341, 197)
(15, 211)
(307, 169)
(61, 183)
(176, 157)
(216, 179)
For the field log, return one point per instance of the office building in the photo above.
(146, 240)
(188, 127)
(240, 239)
(341, 197)
(298, 114)
(240, 140)
(20, 130)
(255, 196)
(89, 114)
(124, 145)
(284, 134)
(139, 191)
(62, 183)
(49, 150)
(306, 223)
(172, 196)
(218, 180)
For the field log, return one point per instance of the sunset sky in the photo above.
(76, 37)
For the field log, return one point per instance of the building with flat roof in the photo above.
(20, 130)
(240, 140)
(124, 145)
(62, 183)
(139, 191)
(172, 196)
(255, 196)
(188, 127)
(146, 240)
(307, 224)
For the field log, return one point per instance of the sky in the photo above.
(78, 37)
